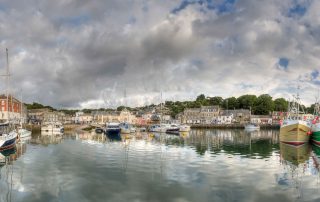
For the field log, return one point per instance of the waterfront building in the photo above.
(53, 116)
(103, 117)
(36, 116)
(77, 117)
(202, 115)
(225, 117)
(261, 119)
(240, 115)
(16, 109)
(277, 116)
(85, 118)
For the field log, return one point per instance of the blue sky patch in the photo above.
(221, 7)
(298, 8)
(283, 64)
(314, 74)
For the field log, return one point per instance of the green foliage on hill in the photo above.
(36, 105)
(262, 105)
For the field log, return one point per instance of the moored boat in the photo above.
(22, 133)
(8, 136)
(295, 128)
(54, 128)
(125, 128)
(112, 129)
(184, 128)
(99, 130)
(315, 127)
(172, 128)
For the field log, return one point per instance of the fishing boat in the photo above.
(184, 128)
(8, 136)
(113, 129)
(315, 126)
(54, 128)
(295, 128)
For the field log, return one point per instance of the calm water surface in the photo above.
(204, 165)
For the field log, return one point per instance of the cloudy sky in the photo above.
(97, 53)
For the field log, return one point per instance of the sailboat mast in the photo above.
(21, 110)
(7, 82)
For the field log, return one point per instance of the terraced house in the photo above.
(202, 115)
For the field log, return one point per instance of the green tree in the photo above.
(201, 98)
(264, 104)
(215, 100)
(247, 101)
(230, 103)
(280, 104)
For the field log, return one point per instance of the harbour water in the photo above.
(203, 165)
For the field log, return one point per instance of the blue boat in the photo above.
(112, 129)
(8, 136)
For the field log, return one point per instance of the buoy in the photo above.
(309, 132)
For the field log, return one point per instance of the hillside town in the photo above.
(203, 115)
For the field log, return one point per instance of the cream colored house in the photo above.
(103, 117)
(202, 115)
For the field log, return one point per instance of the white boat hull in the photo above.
(184, 129)
(8, 140)
(23, 133)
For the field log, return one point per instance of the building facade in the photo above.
(12, 109)
(202, 115)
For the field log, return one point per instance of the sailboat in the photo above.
(295, 128)
(8, 134)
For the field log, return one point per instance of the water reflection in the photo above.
(202, 165)
(7, 159)
(46, 140)
(255, 144)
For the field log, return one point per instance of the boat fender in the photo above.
(280, 122)
(309, 132)
(314, 121)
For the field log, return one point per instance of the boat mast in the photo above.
(7, 83)
(21, 110)
(161, 107)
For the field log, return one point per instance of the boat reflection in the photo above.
(91, 137)
(46, 140)
(114, 137)
(294, 155)
(296, 164)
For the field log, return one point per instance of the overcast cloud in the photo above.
(79, 53)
